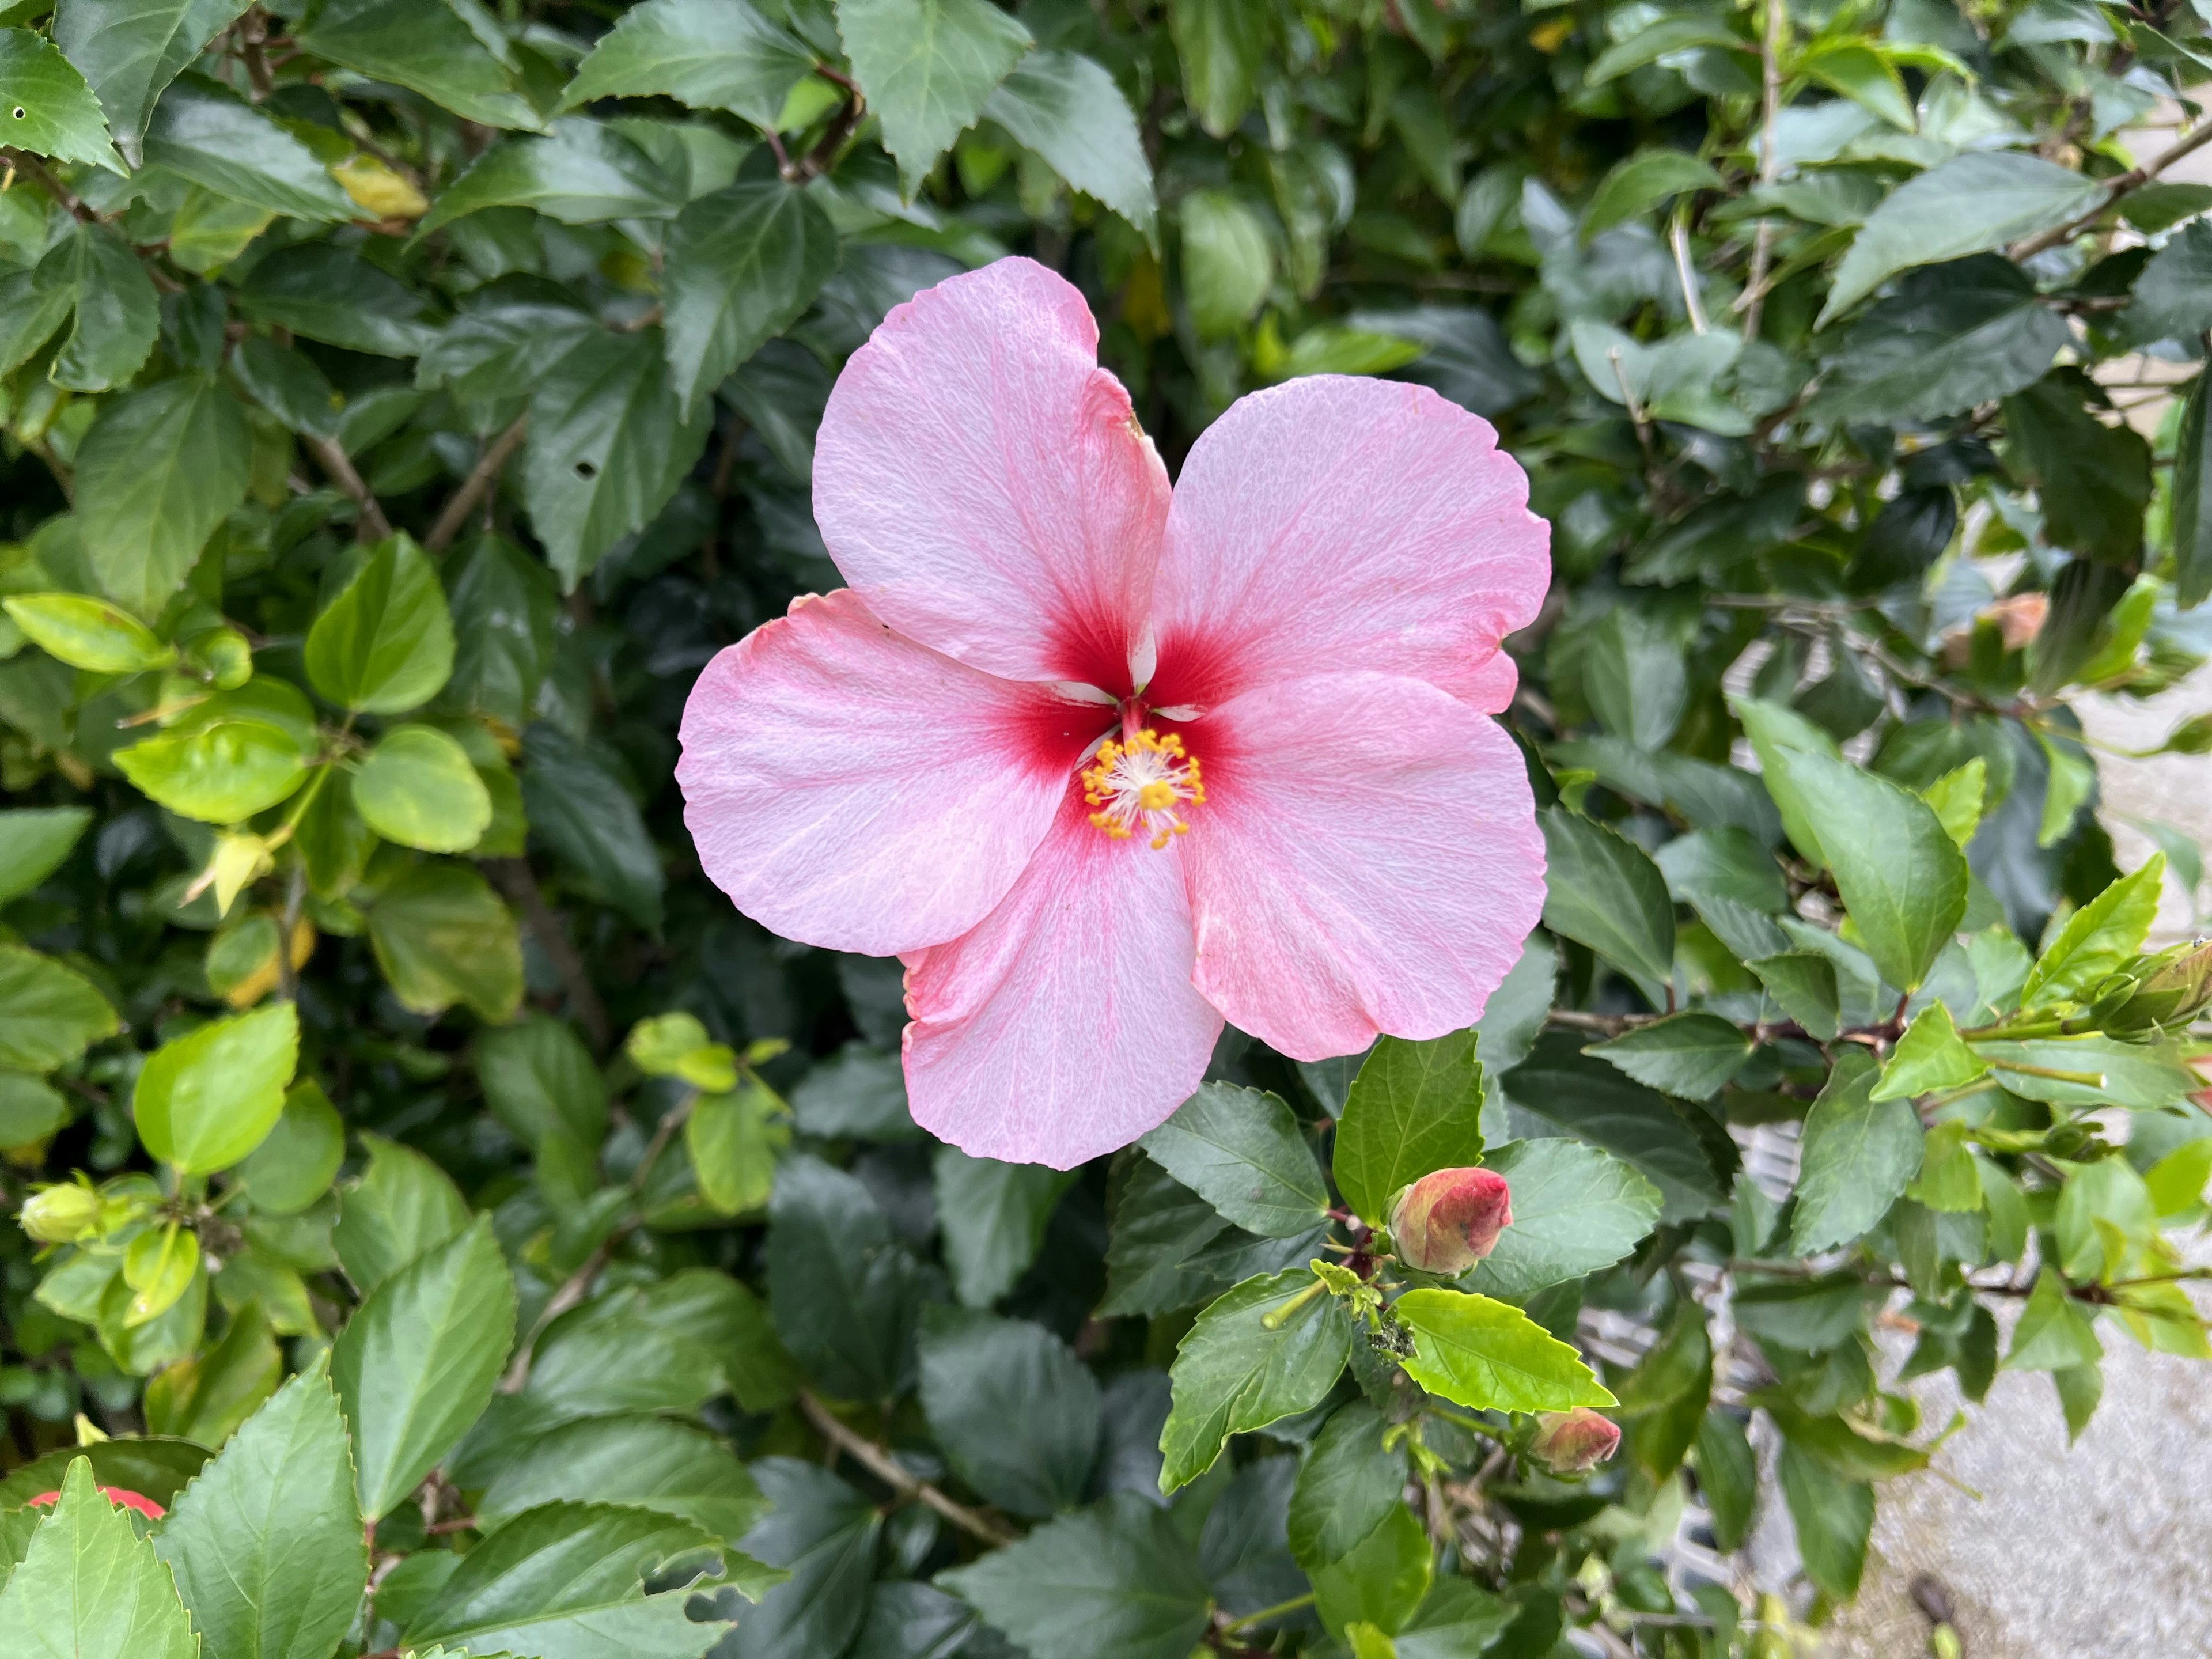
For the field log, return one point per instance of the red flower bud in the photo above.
(1447, 1222)
(123, 1495)
(1576, 1441)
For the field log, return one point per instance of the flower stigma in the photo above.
(1139, 785)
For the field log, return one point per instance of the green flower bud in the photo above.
(2171, 988)
(61, 1215)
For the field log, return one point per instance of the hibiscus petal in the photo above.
(983, 483)
(1065, 1026)
(851, 789)
(1334, 525)
(1367, 861)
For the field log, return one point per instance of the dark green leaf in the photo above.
(1950, 337)
(992, 1218)
(1728, 1478)
(1241, 1149)
(846, 1297)
(1690, 1055)
(1605, 892)
(1833, 1518)
(61, 117)
(203, 131)
(2093, 481)
(582, 810)
(1592, 1101)
(1222, 43)
(825, 1534)
(742, 264)
(1642, 182)
(1232, 1373)
(159, 469)
(442, 937)
(401, 1206)
(1067, 109)
(647, 1462)
(1414, 1107)
(927, 67)
(1115, 1582)
(327, 293)
(1859, 1156)
(2191, 512)
(581, 173)
(1348, 1483)
(1575, 1210)
(427, 49)
(711, 54)
(1015, 1411)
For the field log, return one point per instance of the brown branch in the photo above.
(373, 524)
(881, 1464)
(2134, 179)
(37, 171)
(476, 486)
(823, 156)
(521, 885)
(1762, 252)
(252, 35)
(573, 1291)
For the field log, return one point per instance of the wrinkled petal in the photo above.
(850, 788)
(1065, 1026)
(1367, 861)
(983, 483)
(1334, 525)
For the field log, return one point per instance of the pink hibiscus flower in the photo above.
(1104, 763)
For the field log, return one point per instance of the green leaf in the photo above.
(1169, 1249)
(504, 603)
(1489, 1356)
(927, 67)
(581, 173)
(49, 1013)
(1233, 1374)
(2101, 937)
(567, 1582)
(118, 311)
(858, 1091)
(1661, 39)
(220, 773)
(1690, 1055)
(1859, 1154)
(583, 811)
(428, 48)
(401, 1206)
(2054, 1332)
(30, 1110)
(203, 131)
(826, 1533)
(1978, 200)
(1575, 1210)
(668, 1346)
(1865, 76)
(2092, 480)
(1592, 1101)
(1728, 863)
(152, 1467)
(540, 1080)
(1067, 108)
(297, 1161)
(742, 264)
(159, 470)
(1902, 878)
(1014, 1411)
(1958, 797)
(384, 643)
(418, 1361)
(1833, 1519)
(1605, 892)
(61, 117)
(2191, 514)
(266, 1543)
(1115, 1582)
(1777, 734)
(1634, 673)
(1949, 1180)
(608, 446)
(1223, 44)
(845, 1295)
(211, 1395)
(1240, 1149)
(710, 54)
(328, 293)
(442, 936)
(1352, 1476)
(417, 787)
(2169, 298)
(1641, 182)
(204, 1101)
(1229, 262)
(2091, 1071)
(733, 1139)
(647, 1462)
(1728, 1478)
(1413, 1108)
(1929, 1056)
(1950, 337)
(29, 315)
(1803, 984)
(89, 634)
(90, 1588)
(992, 1217)
(1378, 1584)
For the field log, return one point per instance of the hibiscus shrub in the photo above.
(1625, 480)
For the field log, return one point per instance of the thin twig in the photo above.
(1770, 163)
(35, 170)
(1680, 236)
(2134, 179)
(476, 486)
(572, 1290)
(823, 156)
(881, 1464)
(521, 885)
(373, 524)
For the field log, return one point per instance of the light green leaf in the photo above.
(1978, 200)
(49, 1013)
(581, 173)
(160, 468)
(401, 1206)
(1689, 1055)
(417, 788)
(1863, 76)
(2100, 937)
(1576, 1209)
(210, 1396)
(294, 1165)
(30, 1110)
(1068, 109)
(428, 48)
(61, 117)
(741, 263)
(927, 67)
(203, 131)
(2091, 1071)
(1240, 1151)
(1489, 1356)
(1859, 1155)
(1015, 1411)
(266, 1543)
(1832, 1518)
(385, 644)
(90, 1588)
(1228, 260)
(733, 1138)
(1117, 1581)
(1232, 1374)
(1413, 1108)
(1950, 1180)
(710, 54)
(1376, 1586)
(1957, 799)
(2054, 1332)
(1605, 892)
(89, 634)
(1929, 1056)
(205, 1100)
(220, 773)
(1776, 733)
(992, 1217)
(1640, 183)
(418, 1361)
(566, 1582)
(442, 936)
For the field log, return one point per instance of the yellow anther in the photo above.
(1138, 784)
